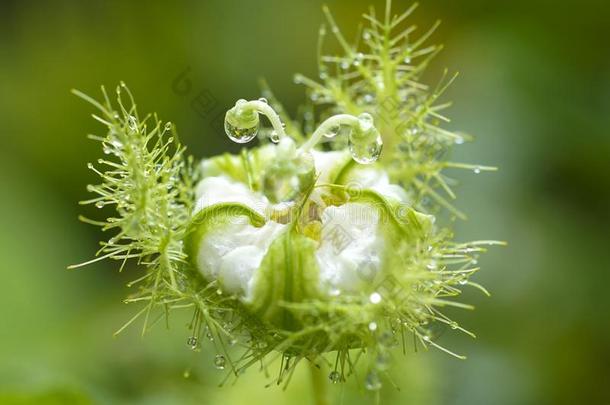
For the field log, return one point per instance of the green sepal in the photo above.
(212, 217)
(289, 273)
(228, 165)
(413, 224)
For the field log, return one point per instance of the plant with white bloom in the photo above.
(319, 244)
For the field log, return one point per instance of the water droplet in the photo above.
(168, 126)
(192, 342)
(219, 291)
(375, 298)
(274, 137)
(414, 131)
(463, 281)
(366, 35)
(432, 265)
(263, 100)
(334, 131)
(476, 170)
(344, 64)
(368, 98)
(366, 152)
(99, 204)
(186, 374)
(459, 140)
(407, 60)
(220, 362)
(90, 166)
(453, 325)
(426, 338)
(334, 377)
(241, 134)
(323, 75)
(372, 382)
(373, 326)
(382, 362)
(298, 79)
(366, 121)
(132, 123)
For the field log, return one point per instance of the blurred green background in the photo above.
(534, 88)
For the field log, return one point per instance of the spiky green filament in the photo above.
(150, 183)
(381, 75)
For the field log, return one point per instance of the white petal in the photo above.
(325, 163)
(233, 252)
(217, 190)
(378, 180)
(350, 248)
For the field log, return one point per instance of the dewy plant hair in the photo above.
(327, 240)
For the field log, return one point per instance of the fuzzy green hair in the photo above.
(151, 183)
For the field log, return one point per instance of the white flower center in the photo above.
(350, 246)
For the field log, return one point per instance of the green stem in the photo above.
(326, 126)
(318, 385)
(264, 108)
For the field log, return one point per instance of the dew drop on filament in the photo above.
(383, 361)
(372, 382)
(275, 138)
(332, 132)
(220, 362)
(366, 152)
(240, 135)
